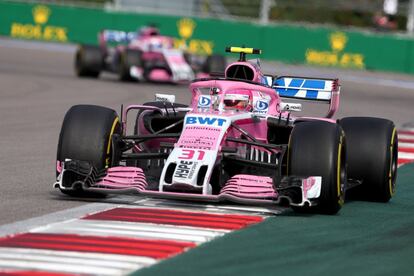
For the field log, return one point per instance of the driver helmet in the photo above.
(155, 44)
(148, 31)
(236, 101)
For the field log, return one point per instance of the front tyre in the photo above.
(372, 149)
(86, 135)
(317, 148)
(88, 61)
(127, 59)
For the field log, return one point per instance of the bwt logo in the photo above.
(205, 121)
(261, 105)
(204, 101)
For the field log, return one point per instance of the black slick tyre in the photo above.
(88, 61)
(86, 135)
(127, 59)
(372, 149)
(317, 148)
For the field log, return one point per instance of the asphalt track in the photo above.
(37, 86)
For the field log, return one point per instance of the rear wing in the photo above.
(309, 89)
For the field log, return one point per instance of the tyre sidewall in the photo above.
(127, 59)
(372, 153)
(88, 61)
(86, 134)
(316, 149)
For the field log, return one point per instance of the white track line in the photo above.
(134, 230)
(78, 258)
(405, 133)
(6, 263)
(405, 155)
(405, 145)
(406, 136)
(82, 255)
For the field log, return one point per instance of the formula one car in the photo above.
(143, 56)
(237, 141)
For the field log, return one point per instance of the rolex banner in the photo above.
(287, 43)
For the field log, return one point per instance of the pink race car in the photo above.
(144, 56)
(238, 141)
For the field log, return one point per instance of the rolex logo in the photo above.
(186, 27)
(338, 41)
(41, 14)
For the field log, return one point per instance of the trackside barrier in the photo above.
(286, 43)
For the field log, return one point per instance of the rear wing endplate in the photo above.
(309, 89)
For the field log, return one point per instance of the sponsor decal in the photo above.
(337, 56)
(291, 106)
(202, 142)
(204, 101)
(186, 28)
(205, 121)
(185, 169)
(118, 36)
(261, 106)
(40, 30)
(164, 98)
(201, 137)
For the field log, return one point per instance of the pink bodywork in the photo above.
(196, 136)
(250, 189)
(152, 45)
(146, 43)
(250, 186)
(240, 188)
(227, 86)
(159, 75)
(224, 86)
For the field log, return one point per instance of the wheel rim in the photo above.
(108, 149)
(393, 163)
(342, 172)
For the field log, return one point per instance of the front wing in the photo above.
(242, 188)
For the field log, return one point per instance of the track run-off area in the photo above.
(45, 232)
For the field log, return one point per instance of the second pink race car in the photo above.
(145, 55)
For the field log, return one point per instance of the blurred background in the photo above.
(395, 15)
(356, 34)
(378, 14)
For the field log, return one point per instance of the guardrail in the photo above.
(286, 43)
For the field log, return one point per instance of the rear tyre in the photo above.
(372, 150)
(88, 61)
(214, 64)
(127, 59)
(317, 149)
(86, 135)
